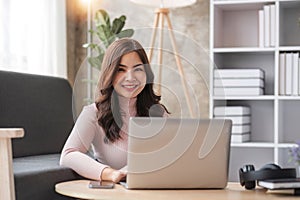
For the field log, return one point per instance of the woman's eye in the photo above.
(139, 69)
(121, 70)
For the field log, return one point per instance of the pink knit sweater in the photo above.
(87, 133)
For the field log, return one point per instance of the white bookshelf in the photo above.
(234, 44)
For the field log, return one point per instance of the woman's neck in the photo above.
(127, 105)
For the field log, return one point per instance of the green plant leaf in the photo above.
(100, 58)
(99, 49)
(95, 62)
(118, 24)
(125, 33)
(107, 34)
(123, 18)
(102, 18)
(104, 34)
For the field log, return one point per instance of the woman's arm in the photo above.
(74, 152)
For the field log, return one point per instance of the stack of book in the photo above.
(241, 121)
(238, 82)
(266, 26)
(289, 74)
(282, 186)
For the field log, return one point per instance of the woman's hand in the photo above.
(109, 174)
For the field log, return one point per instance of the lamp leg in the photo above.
(160, 52)
(156, 19)
(180, 68)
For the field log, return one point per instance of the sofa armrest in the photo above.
(7, 189)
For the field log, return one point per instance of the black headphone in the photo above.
(248, 175)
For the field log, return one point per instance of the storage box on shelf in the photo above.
(241, 121)
(238, 82)
(236, 43)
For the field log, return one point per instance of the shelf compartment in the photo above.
(242, 156)
(288, 117)
(253, 60)
(236, 25)
(262, 123)
(289, 34)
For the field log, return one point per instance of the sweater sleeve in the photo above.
(78, 143)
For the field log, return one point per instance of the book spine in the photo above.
(267, 25)
(295, 74)
(240, 129)
(237, 120)
(298, 76)
(272, 25)
(242, 91)
(261, 33)
(238, 73)
(230, 82)
(231, 110)
(282, 74)
(288, 74)
(240, 138)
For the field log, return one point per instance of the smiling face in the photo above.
(130, 78)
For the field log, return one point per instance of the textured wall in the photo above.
(191, 28)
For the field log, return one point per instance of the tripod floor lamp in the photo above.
(162, 15)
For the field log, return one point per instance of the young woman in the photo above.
(125, 89)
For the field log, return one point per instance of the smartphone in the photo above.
(101, 184)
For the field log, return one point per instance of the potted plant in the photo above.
(103, 34)
(294, 153)
(106, 32)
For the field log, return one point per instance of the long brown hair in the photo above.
(109, 117)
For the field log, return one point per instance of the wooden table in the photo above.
(79, 189)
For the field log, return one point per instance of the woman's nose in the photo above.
(129, 75)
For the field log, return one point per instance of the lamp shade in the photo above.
(165, 3)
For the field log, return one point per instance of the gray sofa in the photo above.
(43, 107)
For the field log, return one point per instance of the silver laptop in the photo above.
(178, 153)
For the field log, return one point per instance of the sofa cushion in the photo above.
(36, 176)
(42, 105)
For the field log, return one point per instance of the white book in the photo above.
(240, 129)
(295, 74)
(280, 183)
(282, 74)
(246, 82)
(231, 110)
(267, 25)
(240, 138)
(237, 120)
(241, 91)
(261, 32)
(272, 25)
(299, 76)
(288, 73)
(238, 73)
